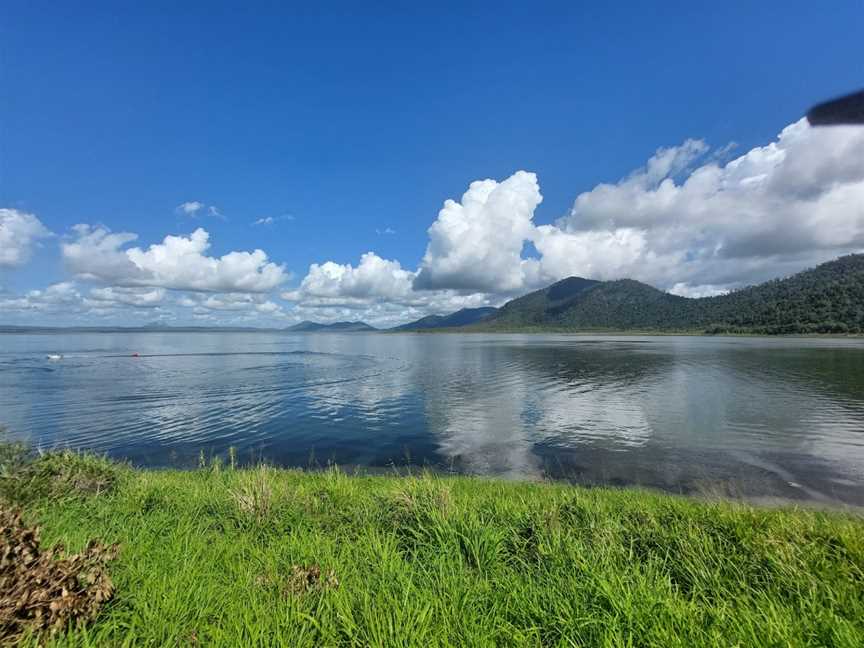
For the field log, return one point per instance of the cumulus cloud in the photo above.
(67, 298)
(376, 290)
(776, 209)
(174, 281)
(60, 297)
(69, 303)
(236, 302)
(685, 221)
(178, 263)
(19, 233)
(64, 292)
(690, 220)
(374, 279)
(476, 245)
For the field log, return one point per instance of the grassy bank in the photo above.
(264, 557)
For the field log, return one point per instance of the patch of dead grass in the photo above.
(302, 580)
(44, 590)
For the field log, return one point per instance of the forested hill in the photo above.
(825, 299)
(461, 317)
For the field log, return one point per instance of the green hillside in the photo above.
(825, 299)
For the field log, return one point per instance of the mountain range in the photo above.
(825, 299)
(335, 327)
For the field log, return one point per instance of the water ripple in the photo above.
(773, 416)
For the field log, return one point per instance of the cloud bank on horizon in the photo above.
(178, 263)
(686, 222)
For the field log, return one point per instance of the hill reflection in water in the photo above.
(752, 416)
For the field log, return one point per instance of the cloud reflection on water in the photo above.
(667, 412)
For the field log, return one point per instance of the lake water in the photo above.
(744, 416)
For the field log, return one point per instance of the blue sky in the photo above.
(349, 126)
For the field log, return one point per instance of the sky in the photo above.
(265, 163)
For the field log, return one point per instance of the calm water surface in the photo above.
(743, 416)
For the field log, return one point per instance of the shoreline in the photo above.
(450, 331)
(728, 490)
(634, 333)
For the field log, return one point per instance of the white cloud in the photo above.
(236, 302)
(66, 298)
(178, 263)
(464, 263)
(378, 291)
(19, 233)
(58, 297)
(139, 297)
(59, 293)
(190, 208)
(684, 289)
(700, 228)
(476, 245)
(687, 222)
(690, 221)
(244, 309)
(196, 208)
(271, 220)
(268, 308)
(66, 303)
(374, 279)
(776, 209)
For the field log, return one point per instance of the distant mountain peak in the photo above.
(569, 288)
(334, 327)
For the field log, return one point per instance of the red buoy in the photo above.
(135, 355)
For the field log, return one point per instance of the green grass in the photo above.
(211, 557)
